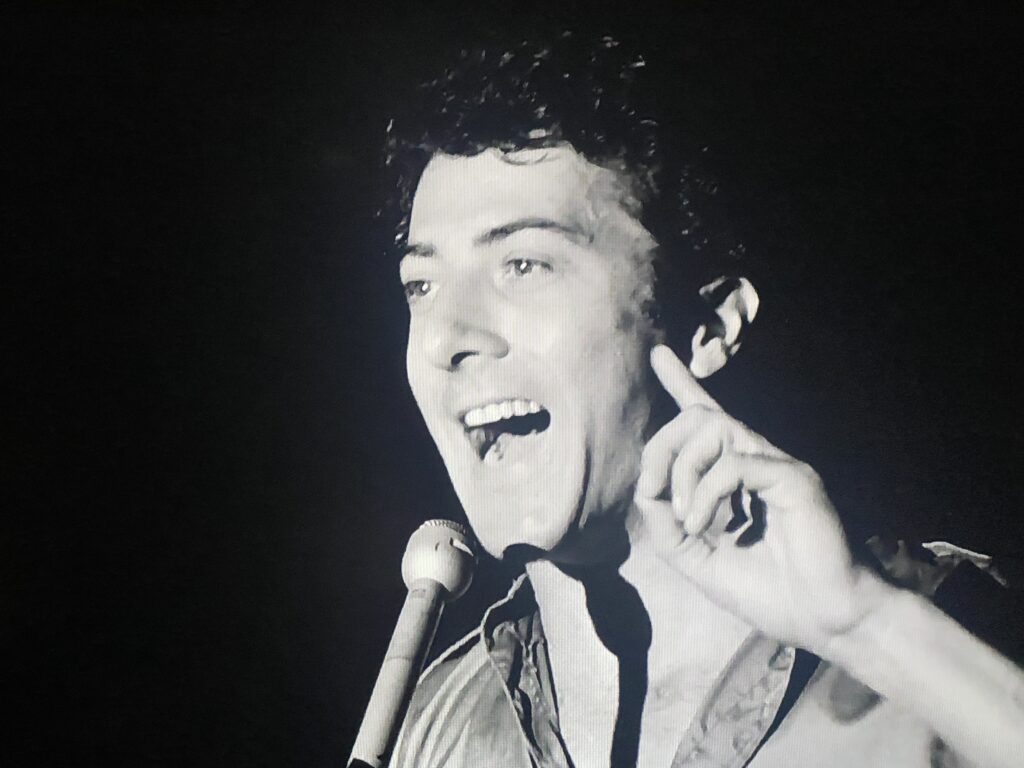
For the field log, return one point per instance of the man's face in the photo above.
(527, 347)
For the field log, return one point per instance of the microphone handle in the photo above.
(399, 673)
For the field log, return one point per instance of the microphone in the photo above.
(437, 568)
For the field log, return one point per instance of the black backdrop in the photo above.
(213, 460)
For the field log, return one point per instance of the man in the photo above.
(672, 565)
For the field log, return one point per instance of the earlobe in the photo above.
(735, 302)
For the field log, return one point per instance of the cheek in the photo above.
(413, 366)
(618, 374)
(420, 376)
(556, 334)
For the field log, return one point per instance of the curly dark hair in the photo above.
(587, 93)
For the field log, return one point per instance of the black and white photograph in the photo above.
(621, 385)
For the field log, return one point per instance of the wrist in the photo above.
(907, 650)
(866, 640)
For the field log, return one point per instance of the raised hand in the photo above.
(796, 580)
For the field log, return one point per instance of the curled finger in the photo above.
(694, 459)
(731, 472)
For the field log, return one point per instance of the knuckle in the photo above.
(654, 445)
(681, 467)
(695, 414)
(706, 424)
(666, 434)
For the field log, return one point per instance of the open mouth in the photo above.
(493, 428)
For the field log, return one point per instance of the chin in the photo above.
(516, 526)
(534, 505)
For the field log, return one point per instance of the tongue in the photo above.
(495, 452)
(504, 446)
(493, 440)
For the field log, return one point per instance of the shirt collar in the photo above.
(728, 728)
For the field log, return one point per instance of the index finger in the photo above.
(677, 380)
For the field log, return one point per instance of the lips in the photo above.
(491, 426)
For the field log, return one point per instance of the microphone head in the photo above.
(441, 551)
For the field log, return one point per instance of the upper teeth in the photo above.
(503, 409)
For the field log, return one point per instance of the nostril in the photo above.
(458, 357)
(449, 346)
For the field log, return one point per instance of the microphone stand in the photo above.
(437, 567)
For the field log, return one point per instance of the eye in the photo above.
(417, 289)
(520, 267)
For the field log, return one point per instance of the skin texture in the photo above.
(797, 582)
(526, 275)
(568, 334)
(548, 313)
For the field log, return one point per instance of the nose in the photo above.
(462, 330)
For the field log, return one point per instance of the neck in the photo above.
(603, 600)
(630, 636)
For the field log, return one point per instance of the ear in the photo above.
(735, 302)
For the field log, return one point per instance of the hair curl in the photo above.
(587, 93)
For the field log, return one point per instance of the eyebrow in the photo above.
(418, 250)
(495, 234)
(572, 232)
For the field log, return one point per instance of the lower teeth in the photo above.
(496, 451)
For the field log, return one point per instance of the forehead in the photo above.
(465, 194)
